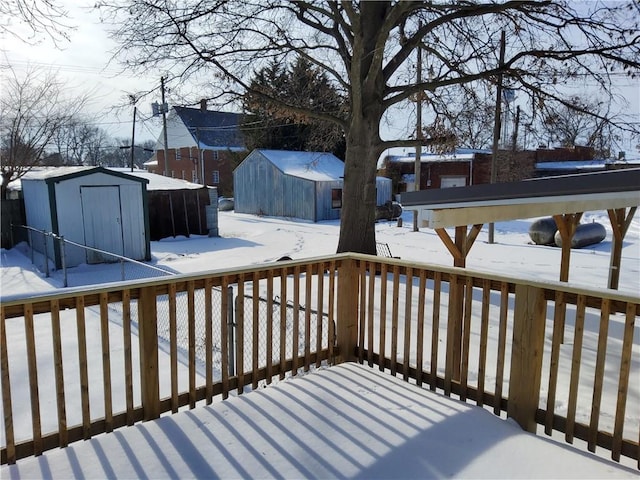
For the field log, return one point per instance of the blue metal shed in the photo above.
(305, 185)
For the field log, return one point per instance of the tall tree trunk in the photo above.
(357, 219)
(363, 143)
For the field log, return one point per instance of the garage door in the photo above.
(456, 181)
(102, 221)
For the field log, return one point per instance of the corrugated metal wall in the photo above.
(324, 208)
(260, 188)
(384, 190)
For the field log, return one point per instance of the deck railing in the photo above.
(553, 357)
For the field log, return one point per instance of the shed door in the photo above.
(102, 220)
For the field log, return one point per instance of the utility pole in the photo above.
(418, 162)
(514, 144)
(496, 123)
(133, 131)
(164, 129)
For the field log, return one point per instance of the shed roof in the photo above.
(160, 182)
(316, 166)
(56, 174)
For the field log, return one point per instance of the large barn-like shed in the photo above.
(306, 185)
(92, 206)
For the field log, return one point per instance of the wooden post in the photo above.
(454, 329)
(620, 221)
(148, 335)
(567, 225)
(526, 357)
(347, 311)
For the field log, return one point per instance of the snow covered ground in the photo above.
(246, 240)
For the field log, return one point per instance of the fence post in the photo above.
(347, 311)
(30, 238)
(232, 330)
(148, 337)
(63, 260)
(526, 355)
(46, 253)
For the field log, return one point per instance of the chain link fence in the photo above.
(40, 250)
(310, 327)
(268, 311)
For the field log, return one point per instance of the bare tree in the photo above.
(583, 122)
(32, 21)
(33, 109)
(365, 49)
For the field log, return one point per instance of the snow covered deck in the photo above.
(346, 421)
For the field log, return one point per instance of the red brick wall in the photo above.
(188, 167)
(510, 167)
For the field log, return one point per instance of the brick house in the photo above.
(204, 147)
(472, 167)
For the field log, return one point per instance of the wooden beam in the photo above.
(620, 221)
(460, 248)
(453, 214)
(567, 224)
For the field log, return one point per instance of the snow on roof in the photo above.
(431, 157)
(42, 173)
(316, 166)
(160, 182)
(407, 154)
(572, 165)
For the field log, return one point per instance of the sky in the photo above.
(84, 62)
(349, 421)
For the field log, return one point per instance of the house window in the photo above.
(214, 155)
(216, 177)
(178, 154)
(336, 198)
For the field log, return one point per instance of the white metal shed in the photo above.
(92, 206)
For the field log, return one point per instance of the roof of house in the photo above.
(212, 129)
(316, 166)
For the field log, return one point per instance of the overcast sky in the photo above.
(83, 63)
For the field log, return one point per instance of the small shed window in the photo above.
(336, 198)
(216, 177)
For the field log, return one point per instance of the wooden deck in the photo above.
(345, 421)
(106, 357)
